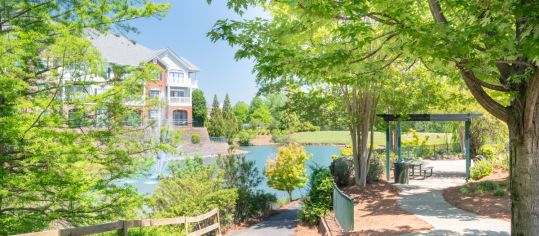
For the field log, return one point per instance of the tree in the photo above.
(242, 174)
(200, 110)
(53, 171)
(216, 123)
(256, 103)
(193, 188)
(490, 46)
(287, 171)
(231, 127)
(261, 117)
(241, 111)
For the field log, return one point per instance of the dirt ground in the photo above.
(377, 213)
(306, 230)
(497, 207)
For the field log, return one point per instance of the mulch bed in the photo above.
(485, 204)
(377, 212)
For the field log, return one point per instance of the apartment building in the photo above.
(177, 80)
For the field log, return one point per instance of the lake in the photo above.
(321, 156)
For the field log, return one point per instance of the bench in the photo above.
(425, 169)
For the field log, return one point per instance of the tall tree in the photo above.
(231, 127)
(57, 169)
(216, 123)
(241, 111)
(490, 45)
(200, 110)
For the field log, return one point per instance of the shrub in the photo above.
(319, 200)
(481, 169)
(193, 188)
(280, 137)
(244, 138)
(241, 174)
(195, 138)
(342, 170)
(487, 185)
(376, 168)
(491, 151)
(499, 192)
(464, 190)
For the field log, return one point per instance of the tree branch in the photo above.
(436, 11)
(481, 96)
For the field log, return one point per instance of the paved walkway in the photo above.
(283, 223)
(424, 199)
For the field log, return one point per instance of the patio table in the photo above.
(413, 165)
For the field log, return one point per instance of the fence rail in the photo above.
(122, 226)
(343, 206)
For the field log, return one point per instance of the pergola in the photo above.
(467, 118)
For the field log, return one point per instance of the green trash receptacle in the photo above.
(401, 172)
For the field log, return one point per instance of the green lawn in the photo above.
(343, 137)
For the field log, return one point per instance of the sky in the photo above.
(184, 30)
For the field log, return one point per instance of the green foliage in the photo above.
(287, 171)
(487, 129)
(195, 138)
(416, 140)
(487, 185)
(464, 190)
(194, 188)
(481, 169)
(245, 138)
(376, 167)
(244, 176)
(216, 124)
(51, 172)
(499, 192)
(231, 127)
(280, 137)
(319, 200)
(241, 111)
(491, 151)
(342, 170)
(200, 109)
(261, 117)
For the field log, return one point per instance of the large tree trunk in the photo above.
(524, 170)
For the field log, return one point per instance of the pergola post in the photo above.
(388, 149)
(399, 141)
(467, 124)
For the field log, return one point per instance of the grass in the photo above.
(343, 137)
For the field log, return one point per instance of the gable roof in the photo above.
(119, 50)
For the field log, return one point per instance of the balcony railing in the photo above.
(180, 100)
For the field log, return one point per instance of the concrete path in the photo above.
(283, 223)
(424, 199)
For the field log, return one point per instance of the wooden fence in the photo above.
(122, 226)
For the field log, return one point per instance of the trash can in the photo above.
(401, 172)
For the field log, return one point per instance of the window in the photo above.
(177, 93)
(176, 75)
(154, 114)
(179, 117)
(154, 94)
(160, 76)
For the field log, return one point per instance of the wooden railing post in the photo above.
(186, 227)
(218, 222)
(124, 229)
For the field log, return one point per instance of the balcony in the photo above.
(185, 101)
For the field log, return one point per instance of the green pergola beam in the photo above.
(388, 144)
(467, 118)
